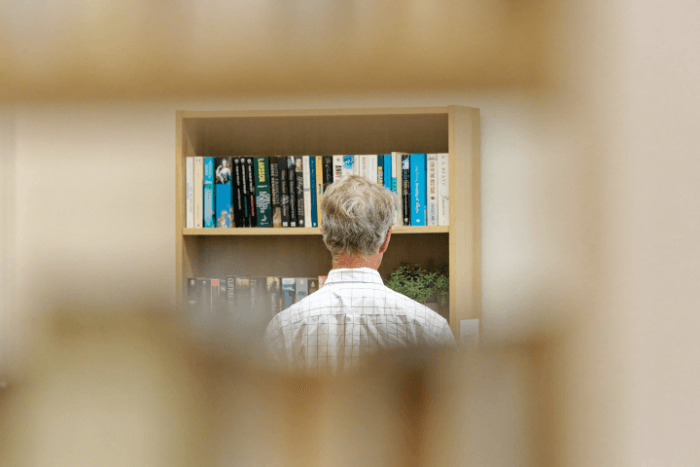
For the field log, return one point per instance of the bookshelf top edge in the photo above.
(358, 112)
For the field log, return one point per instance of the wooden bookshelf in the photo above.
(299, 252)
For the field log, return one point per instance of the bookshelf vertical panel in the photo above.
(465, 216)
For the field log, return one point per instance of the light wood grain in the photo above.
(465, 216)
(256, 231)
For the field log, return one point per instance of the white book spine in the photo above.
(356, 166)
(198, 192)
(337, 168)
(396, 186)
(307, 190)
(364, 173)
(372, 169)
(189, 191)
(432, 186)
(443, 189)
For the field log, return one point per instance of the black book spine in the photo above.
(237, 193)
(327, 172)
(406, 188)
(380, 169)
(193, 295)
(251, 192)
(275, 192)
(205, 295)
(284, 191)
(292, 190)
(299, 162)
(245, 214)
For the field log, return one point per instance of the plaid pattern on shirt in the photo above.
(352, 316)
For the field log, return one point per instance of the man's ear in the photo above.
(385, 244)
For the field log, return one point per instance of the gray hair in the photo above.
(355, 216)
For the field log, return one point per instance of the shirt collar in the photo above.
(366, 275)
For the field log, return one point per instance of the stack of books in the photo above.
(286, 191)
(265, 296)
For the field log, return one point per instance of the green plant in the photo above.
(420, 284)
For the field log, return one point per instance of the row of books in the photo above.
(242, 294)
(286, 191)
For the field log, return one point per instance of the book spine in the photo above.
(348, 162)
(406, 188)
(327, 172)
(299, 172)
(387, 171)
(273, 296)
(306, 182)
(193, 295)
(363, 167)
(275, 192)
(242, 294)
(302, 289)
(443, 189)
(251, 192)
(380, 169)
(312, 190)
(337, 168)
(209, 218)
(292, 190)
(214, 295)
(262, 192)
(189, 192)
(231, 294)
(223, 194)
(319, 187)
(284, 191)
(245, 214)
(205, 297)
(288, 286)
(198, 192)
(432, 188)
(237, 189)
(321, 281)
(396, 187)
(418, 189)
(313, 284)
(372, 168)
(357, 166)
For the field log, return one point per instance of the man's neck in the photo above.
(352, 261)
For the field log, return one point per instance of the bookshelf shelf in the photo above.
(255, 231)
(300, 252)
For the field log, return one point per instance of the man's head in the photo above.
(356, 217)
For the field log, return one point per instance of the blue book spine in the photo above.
(419, 199)
(387, 172)
(348, 162)
(223, 190)
(289, 291)
(209, 192)
(314, 206)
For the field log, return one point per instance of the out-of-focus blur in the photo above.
(589, 117)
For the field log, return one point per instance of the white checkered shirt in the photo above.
(352, 316)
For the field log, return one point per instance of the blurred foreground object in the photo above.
(141, 389)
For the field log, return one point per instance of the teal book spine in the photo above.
(223, 191)
(314, 205)
(263, 199)
(209, 192)
(288, 291)
(419, 198)
(387, 172)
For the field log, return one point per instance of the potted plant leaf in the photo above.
(430, 288)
